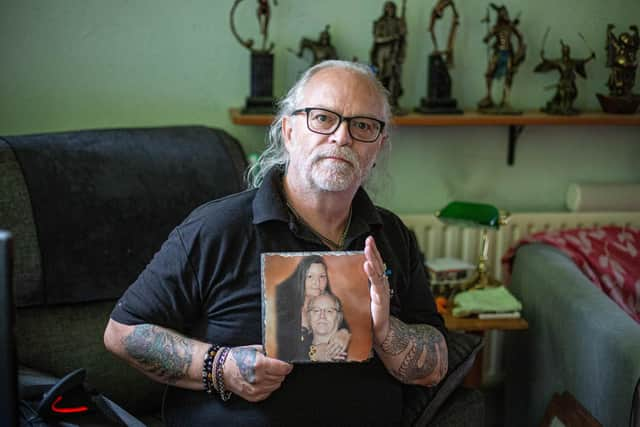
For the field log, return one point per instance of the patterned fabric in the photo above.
(608, 256)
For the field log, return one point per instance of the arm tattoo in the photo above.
(159, 352)
(246, 360)
(424, 356)
(424, 350)
(397, 339)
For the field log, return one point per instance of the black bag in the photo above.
(47, 402)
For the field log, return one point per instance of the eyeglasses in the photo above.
(315, 311)
(325, 122)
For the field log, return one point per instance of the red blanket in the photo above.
(608, 256)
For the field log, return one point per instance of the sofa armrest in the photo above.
(579, 341)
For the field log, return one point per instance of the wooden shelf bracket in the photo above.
(514, 134)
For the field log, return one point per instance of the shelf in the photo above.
(249, 119)
(473, 118)
(516, 123)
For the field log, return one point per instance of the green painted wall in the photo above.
(78, 64)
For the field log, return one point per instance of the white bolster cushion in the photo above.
(603, 197)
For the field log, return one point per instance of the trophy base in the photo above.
(438, 106)
(259, 105)
(619, 104)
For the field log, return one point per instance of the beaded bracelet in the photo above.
(219, 374)
(207, 368)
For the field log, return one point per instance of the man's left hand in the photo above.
(380, 292)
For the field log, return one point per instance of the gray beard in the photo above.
(334, 177)
(337, 176)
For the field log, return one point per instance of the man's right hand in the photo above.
(252, 375)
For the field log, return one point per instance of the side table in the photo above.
(480, 327)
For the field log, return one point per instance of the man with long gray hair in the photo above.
(193, 318)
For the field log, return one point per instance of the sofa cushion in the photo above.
(16, 216)
(92, 192)
(464, 408)
(60, 339)
(422, 403)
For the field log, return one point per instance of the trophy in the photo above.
(261, 98)
(566, 89)
(438, 100)
(504, 59)
(389, 51)
(623, 61)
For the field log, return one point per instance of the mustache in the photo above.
(343, 153)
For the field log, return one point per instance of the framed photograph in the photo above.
(316, 307)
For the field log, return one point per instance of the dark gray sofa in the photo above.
(88, 209)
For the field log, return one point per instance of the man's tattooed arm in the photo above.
(168, 357)
(161, 354)
(414, 354)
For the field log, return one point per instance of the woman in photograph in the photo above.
(309, 279)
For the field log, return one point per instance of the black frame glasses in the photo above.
(351, 121)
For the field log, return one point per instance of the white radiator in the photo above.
(437, 239)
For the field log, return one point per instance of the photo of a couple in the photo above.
(316, 307)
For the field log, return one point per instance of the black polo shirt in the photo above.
(205, 283)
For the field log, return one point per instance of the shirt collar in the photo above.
(269, 203)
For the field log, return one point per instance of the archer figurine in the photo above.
(389, 50)
(504, 59)
(439, 100)
(622, 59)
(436, 14)
(566, 90)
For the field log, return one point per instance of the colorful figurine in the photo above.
(389, 51)
(566, 90)
(622, 59)
(504, 59)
